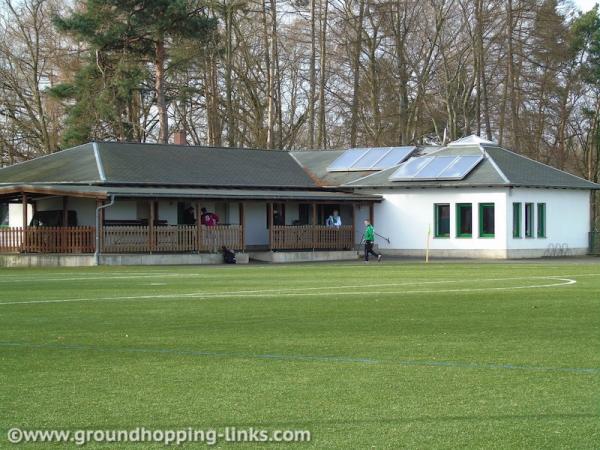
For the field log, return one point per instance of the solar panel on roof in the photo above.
(436, 168)
(394, 157)
(461, 167)
(410, 168)
(343, 162)
(376, 158)
(370, 158)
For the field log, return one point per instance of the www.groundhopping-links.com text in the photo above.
(166, 437)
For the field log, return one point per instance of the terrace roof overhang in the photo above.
(14, 192)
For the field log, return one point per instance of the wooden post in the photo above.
(198, 228)
(151, 227)
(242, 226)
(25, 221)
(24, 203)
(65, 221)
(270, 218)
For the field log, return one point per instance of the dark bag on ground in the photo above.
(228, 256)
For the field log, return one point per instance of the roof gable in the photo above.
(522, 171)
(74, 165)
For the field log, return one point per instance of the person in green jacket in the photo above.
(369, 238)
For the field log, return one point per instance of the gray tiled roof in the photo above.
(500, 167)
(173, 165)
(74, 165)
(522, 171)
(315, 162)
(122, 163)
(205, 166)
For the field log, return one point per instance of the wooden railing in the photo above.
(213, 238)
(305, 237)
(11, 239)
(121, 239)
(171, 239)
(47, 240)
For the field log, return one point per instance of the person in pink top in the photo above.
(209, 219)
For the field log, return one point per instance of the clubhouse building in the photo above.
(125, 203)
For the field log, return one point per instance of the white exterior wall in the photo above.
(292, 213)
(406, 216)
(50, 204)
(167, 210)
(255, 215)
(567, 222)
(361, 213)
(233, 214)
(121, 210)
(15, 214)
(86, 210)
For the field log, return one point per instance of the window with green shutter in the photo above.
(487, 220)
(517, 211)
(464, 220)
(541, 220)
(441, 213)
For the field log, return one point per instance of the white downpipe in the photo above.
(97, 252)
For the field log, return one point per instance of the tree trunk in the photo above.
(269, 71)
(312, 75)
(161, 103)
(275, 77)
(356, 73)
(514, 122)
(402, 70)
(231, 125)
(322, 133)
(481, 75)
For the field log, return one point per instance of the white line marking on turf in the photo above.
(106, 277)
(301, 292)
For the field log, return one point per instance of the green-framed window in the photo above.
(487, 220)
(529, 212)
(441, 213)
(517, 221)
(464, 220)
(541, 220)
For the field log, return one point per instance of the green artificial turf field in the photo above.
(390, 355)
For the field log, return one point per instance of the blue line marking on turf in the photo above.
(337, 359)
(191, 352)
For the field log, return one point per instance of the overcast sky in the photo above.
(585, 5)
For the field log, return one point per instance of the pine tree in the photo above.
(144, 29)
